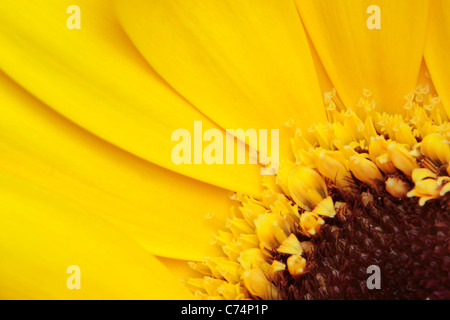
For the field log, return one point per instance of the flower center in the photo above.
(366, 189)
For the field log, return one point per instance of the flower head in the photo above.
(86, 176)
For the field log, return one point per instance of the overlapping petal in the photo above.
(437, 49)
(245, 64)
(42, 234)
(95, 77)
(163, 211)
(385, 61)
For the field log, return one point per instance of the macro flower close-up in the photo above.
(225, 149)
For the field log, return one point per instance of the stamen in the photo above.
(307, 187)
(296, 265)
(397, 187)
(366, 188)
(291, 246)
(257, 284)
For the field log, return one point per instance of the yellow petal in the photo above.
(244, 64)
(42, 235)
(163, 211)
(425, 79)
(322, 76)
(179, 268)
(96, 78)
(385, 61)
(437, 48)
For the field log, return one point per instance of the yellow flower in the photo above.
(86, 176)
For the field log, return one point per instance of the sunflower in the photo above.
(88, 183)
